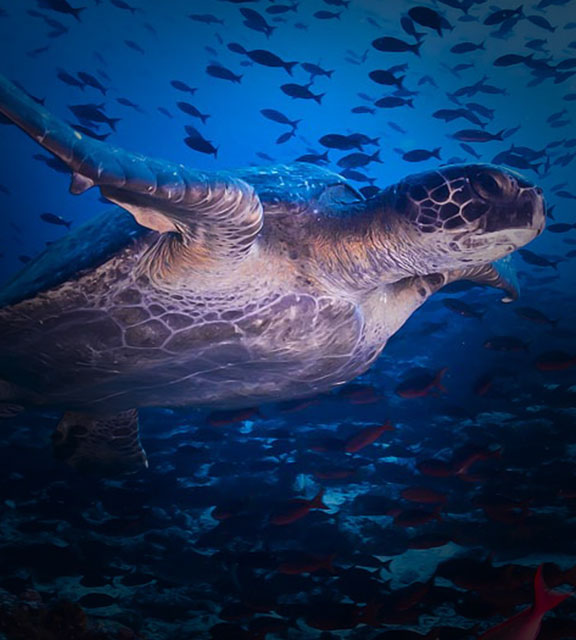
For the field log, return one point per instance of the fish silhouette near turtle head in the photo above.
(227, 289)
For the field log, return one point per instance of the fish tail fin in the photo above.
(544, 598)
(416, 48)
(438, 380)
(400, 80)
(294, 124)
(319, 97)
(329, 73)
(410, 103)
(500, 135)
(436, 152)
(113, 122)
(76, 13)
(68, 224)
(289, 66)
(481, 46)
(238, 79)
(317, 502)
(376, 156)
(204, 117)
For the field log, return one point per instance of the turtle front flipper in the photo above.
(219, 214)
(102, 444)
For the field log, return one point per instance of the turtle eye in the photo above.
(487, 185)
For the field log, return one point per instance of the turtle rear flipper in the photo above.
(102, 444)
(217, 212)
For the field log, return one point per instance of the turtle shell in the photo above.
(285, 189)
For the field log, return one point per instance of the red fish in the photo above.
(423, 495)
(334, 473)
(298, 508)
(307, 564)
(526, 624)
(225, 418)
(413, 517)
(555, 361)
(422, 385)
(365, 437)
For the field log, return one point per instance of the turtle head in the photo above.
(463, 215)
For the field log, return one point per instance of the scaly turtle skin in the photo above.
(228, 289)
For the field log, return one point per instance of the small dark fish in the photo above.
(426, 17)
(314, 158)
(196, 141)
(61, 6)
(54, 163)
(263, 57)
(397, 127)
(24, 259)
(566, 194)
(467, 47)
(314, 70)
(383, 76)
(301, 91)
(389, 44)
(120, 4)
(93, 113)
(534, 316)
(96, 600)
(257, 22)
(510, 59)
(52, 218)
(88, 132)
(217, 71)
(500, 16)
(477, 135)
(5, 190)
(355, 160)
(206, 18)
(419, 155)
(36, 52)
(327, 15)
(470, 150)
(338, 141)
(285, 137)
(128, 103)
(276, 9)
(89, 80)
(134, 45)
(391, 102)
(462, 309)
(182, 86)
(408, 26)
(363, 109)
(537, 260)
(277, 116)
(191, 110)
(165, 112)
(485, 112)
(69, 79)
(357, 176)
(541, 22)
(505, 343)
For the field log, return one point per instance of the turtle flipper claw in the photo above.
(101, 444)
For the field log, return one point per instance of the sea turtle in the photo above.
(231, 288)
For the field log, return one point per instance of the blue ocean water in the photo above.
(432, 527)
